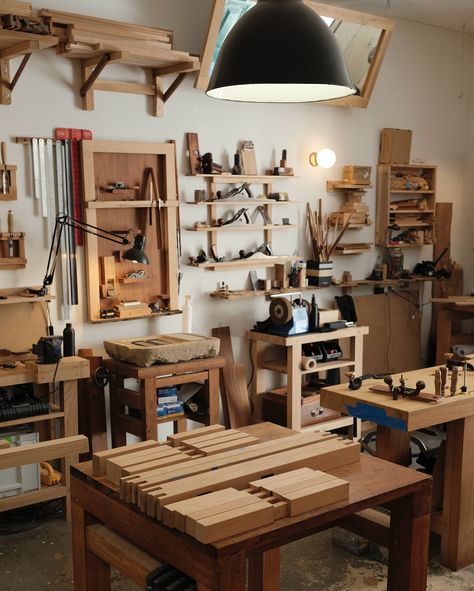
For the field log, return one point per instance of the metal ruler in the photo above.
(65, 296)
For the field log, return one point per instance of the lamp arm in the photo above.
(66, 220)
(62, 219)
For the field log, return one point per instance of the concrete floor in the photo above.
(40, 559)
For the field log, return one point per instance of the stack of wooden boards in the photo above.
(86, 37)
(213, 483)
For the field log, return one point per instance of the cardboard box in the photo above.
(395, 146)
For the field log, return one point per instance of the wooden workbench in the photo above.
(395, 420)
(222, 565)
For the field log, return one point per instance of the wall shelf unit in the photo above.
(157, 219)
(406, 199)
(62, 419)
(212, 228)
(97, 43)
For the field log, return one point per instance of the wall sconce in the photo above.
(325, 158)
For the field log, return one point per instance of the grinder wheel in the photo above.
(280, 310)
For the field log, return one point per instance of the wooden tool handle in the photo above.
(10, 221)
(454, 380)
(3, 149)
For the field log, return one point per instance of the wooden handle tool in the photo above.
(454, 380)
(10, 221)
(437, 382)
(5, 176)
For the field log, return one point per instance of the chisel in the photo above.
(11, 245)
(5, 178)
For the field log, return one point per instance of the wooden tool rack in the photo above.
(61, 421)
(145, 401)
(104, 524)
(155, 216)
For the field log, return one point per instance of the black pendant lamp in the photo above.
(280, 51)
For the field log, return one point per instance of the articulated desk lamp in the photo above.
(135, 254)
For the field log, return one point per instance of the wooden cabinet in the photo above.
(111, 280)
(266, 223)
(62, 420)
(406, 199)
(286, 358)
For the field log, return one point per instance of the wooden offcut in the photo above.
(211, 504)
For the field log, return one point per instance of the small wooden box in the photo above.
(395, 146)
(274, 409)
(358, 175)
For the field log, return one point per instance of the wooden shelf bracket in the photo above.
(92, 68)
(16, 44)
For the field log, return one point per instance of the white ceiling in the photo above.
(449, 14)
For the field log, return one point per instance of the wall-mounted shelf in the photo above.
(242, 228)
(250, 263)
(212, 229)
(96, 43)
(406, 198)
(226, 294)
(16, 44)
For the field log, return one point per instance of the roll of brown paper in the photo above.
(308, 363)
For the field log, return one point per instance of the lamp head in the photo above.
(325, 158)
(280, 51)
(136, 254)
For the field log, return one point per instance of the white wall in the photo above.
(419, 88)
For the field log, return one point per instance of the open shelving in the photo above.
(213, 229)
(406, 199)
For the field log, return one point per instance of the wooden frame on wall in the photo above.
(361, 100)
(155, 216)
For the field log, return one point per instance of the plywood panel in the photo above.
(394, 340)
(22, 325)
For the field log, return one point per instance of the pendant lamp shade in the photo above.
(280, 51)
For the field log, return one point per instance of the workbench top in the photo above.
(403, 414)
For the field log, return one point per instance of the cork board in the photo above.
(394, 341)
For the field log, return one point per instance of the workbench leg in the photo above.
(293, 397)
(180, 425)
(409, 541)
(118, 437)
(457, 541)
(393, 445)
(257, 387)
(264, 571)
(213, 386)
(68, 402)
(90, 572)
(148, 387)
(232, 573)
(443, 334)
